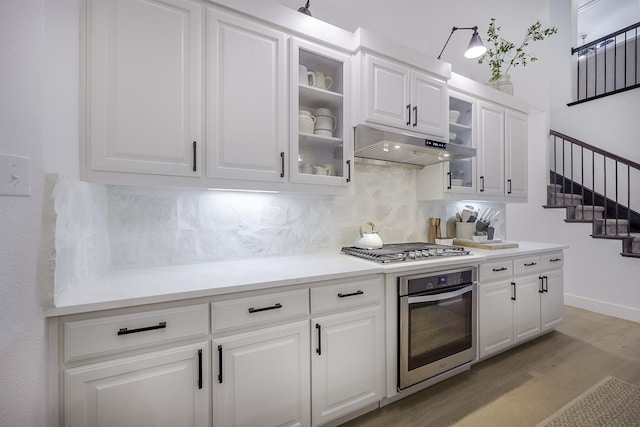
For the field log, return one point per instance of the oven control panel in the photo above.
(409, 285)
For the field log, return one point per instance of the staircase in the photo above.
(577, 169)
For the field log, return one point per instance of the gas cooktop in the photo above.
(398, 252)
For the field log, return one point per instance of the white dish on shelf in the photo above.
(452, 136)
(454, 116)
(456, 182)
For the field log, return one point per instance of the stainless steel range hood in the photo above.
(379, 144)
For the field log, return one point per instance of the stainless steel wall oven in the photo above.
(437, 323)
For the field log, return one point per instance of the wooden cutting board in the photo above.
(491, 245)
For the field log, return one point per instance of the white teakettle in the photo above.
(369, 239)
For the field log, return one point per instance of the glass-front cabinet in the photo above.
(320, 131)
(460, 174)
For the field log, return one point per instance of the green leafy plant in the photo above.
(504, 52)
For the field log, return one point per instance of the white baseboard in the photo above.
(615, 310)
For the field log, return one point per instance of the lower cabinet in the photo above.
(261, 378)
(519, 299)
(164, 388)
(347, 363)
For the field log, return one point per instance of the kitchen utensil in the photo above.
(368, 239)
(464, 230)
(466, 215)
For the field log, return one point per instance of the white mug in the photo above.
(305, 77)
(306, 122)
(326, 123)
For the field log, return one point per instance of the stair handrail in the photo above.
(597, 150)
(604, 38)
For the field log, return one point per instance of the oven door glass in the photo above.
(440, 325)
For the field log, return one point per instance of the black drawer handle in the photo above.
(353, 294)
(125, 331)
(555, 260)
(531, 264)
(273, 307)
(199, 369)
(513, 285)
(220, 364)
(319, 347)
(499, 269)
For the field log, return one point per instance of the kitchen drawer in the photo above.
(114, 334)
(349, 294)
(553, 261)
(527, 265)
(496, 270)
(250, 311)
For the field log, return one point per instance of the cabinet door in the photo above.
(495, 317)
(552, 299)
(323, 154)
(347, 367)
(429, 104)
(143, 86)
(246, 123)
(527, 308)
(262, 377)
(386, 93)
(516, 153)
(164, 388)
(460, 175)
(491, 154)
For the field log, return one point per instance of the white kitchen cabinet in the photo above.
(403, 97)
(261, 377)
(347, 369)
(552, 290)
(143, 88)
(499, 134)
(519, 299)
(324, 154)
(246, 99)
(161, 388)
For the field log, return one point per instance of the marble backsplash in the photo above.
(99, 228)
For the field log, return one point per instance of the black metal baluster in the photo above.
(564, 194)
(605, 195)
(616, 189)
(582, 179)
(629, 199)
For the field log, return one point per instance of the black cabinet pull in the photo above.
(449, 180)
(545, 287)
(358, 292)
(541, 290)
(319, 347)
(555, 260)
(499, 269)
(220, 364)
(200, 369)
(195, 169)
(415, 116)
(509, 185)
(125, 331)
(482, 183)
(513, 284)
(531, 264)
(409, 114)
(273, 307)
(282, 164)
(348, 170)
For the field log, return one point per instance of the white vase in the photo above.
(503, 84)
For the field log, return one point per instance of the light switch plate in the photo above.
(14, 175)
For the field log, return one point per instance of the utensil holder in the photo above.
(490, 231)
(464, 230)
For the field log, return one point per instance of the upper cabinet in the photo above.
(246, 81)
(320, 133)
(496, 125)
(143, 88)
(403, 97)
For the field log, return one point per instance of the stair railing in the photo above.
(568, 154)
(608, 65)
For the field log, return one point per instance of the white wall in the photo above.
(38, 119)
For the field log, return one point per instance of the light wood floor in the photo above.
(523, 386)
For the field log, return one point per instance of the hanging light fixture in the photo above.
(305, 9)
(475, 49)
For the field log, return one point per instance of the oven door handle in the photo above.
(440, 297)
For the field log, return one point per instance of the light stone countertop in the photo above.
(130, 287)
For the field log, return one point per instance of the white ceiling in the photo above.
(597, 18)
